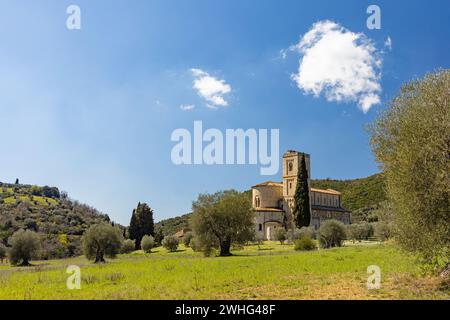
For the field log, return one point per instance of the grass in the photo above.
(270, 271)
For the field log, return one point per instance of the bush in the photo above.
(128, 246)
(259, 239)
(331, 234)
(308, 232)
(383, 230)
(147, 243)
(281, 235)
(195, 244)
(360, 231)
(100, 240)
(170, 243)
(3, 252)
(305, 244)
(25, 245)
(187, 238)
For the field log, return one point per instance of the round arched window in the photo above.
(290, 166)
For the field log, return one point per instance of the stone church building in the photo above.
(273, 201)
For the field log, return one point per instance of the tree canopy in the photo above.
(223, 218)
(102, 240)
(302, 209)
(411, 141)
(25, 245)
(141, 223)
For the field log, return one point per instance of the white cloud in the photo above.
(341, 64)
(187, 107)
(388, 43)
(213, 90)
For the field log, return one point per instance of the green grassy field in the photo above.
(271, 271)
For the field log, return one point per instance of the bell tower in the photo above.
(291, 165)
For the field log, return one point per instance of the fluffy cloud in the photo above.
(187, 107)
(343, 65)
(213, 90)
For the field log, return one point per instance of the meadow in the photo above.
(269, 271)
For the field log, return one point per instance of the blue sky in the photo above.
(92, 110)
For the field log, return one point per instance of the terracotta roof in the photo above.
(280, 185)
(329, 191)
(269, 210)
(269, 184)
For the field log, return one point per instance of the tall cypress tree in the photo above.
(302, 210)
(141, 223)
(133, 228)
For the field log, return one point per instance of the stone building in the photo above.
(273, 201)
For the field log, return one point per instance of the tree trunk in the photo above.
(99, 257)
(25, 263)
(225, 246)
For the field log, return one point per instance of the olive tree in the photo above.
(147, 243)
(102, 240)
(187, 238)
(223, 218)
(25, 245)
(128, 246)
(331, 234)
(170, 243)
(281, 235)
(411, 141)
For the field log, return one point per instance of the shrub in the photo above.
(304, 244)
(25, 245)
(147, 243)
(100, 240)
(259, 239)
(383, 230)
(187, 238)
(128, 246)
(170, 243)
(360, 231)
(331, 234)
(281, 235)
(195, 244)
(3, 252)
(308, 232)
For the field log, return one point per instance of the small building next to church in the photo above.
(273, 201)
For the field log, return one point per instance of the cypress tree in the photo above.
(302, 210)
(141, 223)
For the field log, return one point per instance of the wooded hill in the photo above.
(59, 221)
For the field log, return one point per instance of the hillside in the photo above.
(172, 225)
(59, 220)
(361, 196)
(356, 193)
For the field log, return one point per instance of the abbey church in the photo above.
(273, 201)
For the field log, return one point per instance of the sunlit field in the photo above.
(269, 271)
